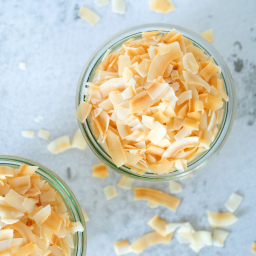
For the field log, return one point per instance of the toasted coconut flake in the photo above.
(113, 84)
(160, 62)
(148, 121)
(107, 105)
(184, 132)
(28, 134)
(175, 187)
(154, 150)
(83, 111)
(59, 145)
(233, 202)
(220, 86)
(44, 134)
(189, 63)
(191, 123)
(208, 35)
(219, 237)
(6, 171)
(101, 2)
(164, 48)
(179, 145)
(132, 159)
(157, 133)
(118, 6)
(23, 65)
(100, 171)
(208, 71)
(156, 89)
(126, 183)
(171, 227)
(162, 6)
(187, 95)
(41, 216)
(159, 225)
(157, 197)
(148, 240)
(110, 192)
(28, 205)
(88, 15)
(195, 79)
(210, 101)
(221, 219)
(15, 200)
(20, 184)
(123, 62)
(78, 140)
(122, 247)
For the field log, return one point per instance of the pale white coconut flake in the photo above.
(44, 134)
(118, 6)
(175, 187)
(28, 134)
(110, 192)
(219, 237)
(233, 202)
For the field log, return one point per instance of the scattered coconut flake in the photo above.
(208, 35)
(157, 197)
(88, 15)
(175, 187)
(101, 2)
(220, 86)
(219, 237)
(110, 192)
(23, 65)
(100, 171)
(171, 227)
(125, 183)
(221, 219)
(59, 145)
(44, 134)
(28, 134)
(233, 202)
(38, 119)
(159, 225)
(118, 6)
(122, 247)
(157, 132)
(78, 140)
(162, 6)
(148, 240)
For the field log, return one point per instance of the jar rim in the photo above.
(62, 188)
(230, 106)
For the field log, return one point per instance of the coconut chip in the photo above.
(122, 247)
(125, 183)
(148, 240)
(88, 15)
(162, 6)
(159, 225)
(118, 6)
(78, 140)
(59, 145)
(157, 197)
(171, 227)
(100, 171)
(44, 134)
(175, 187)
(221, 219)
(208, 35)
(83, 111)
(28, 134)
(219, 237)
(233, 202)
(110, 192)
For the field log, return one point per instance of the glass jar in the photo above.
(76, 214)
(114, 43)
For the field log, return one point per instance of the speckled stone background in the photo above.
(56, 44)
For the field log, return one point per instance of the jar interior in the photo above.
(115, 47)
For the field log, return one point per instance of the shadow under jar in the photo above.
(74, 209)
(115, 43)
